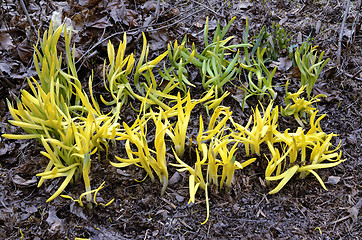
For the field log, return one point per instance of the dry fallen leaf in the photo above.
(56, 224)
(25, 52)
(117, 14)
(244, 6)
(158, 40)
(87, 3)
(6, 148)
(131, 18)
(353, 211)
(24, 183)
(5, 67)
(100, 24)
(283, 64)
(176, 177)
(150, 6)
(6, 42)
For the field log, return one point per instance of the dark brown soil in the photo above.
(301, 210)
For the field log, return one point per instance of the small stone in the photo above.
(333, 180)
(176, 177)
(179, 198)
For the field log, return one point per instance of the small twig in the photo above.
(98, 43)
(5, 81)
(341, 34)
(157, 10)
(174, 23)
(285, 213)
(28, 16)
(6, 30)
(356, 74)
(352, 76)
(203, 5)
(136, 31)
(169, 203)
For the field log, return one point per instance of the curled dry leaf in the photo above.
(283, 64)
(21, 182)
(56, 224)
(6, 42)
(101, 23)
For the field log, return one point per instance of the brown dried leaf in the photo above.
(101, 23)
(87, 3)
(159, 40)
(244, 6)
(176, 177)
(116, 14)
(56, 224)
(150, 6)
(296, 72)
(131, 18)
(353, 211)
(6, 42)
(5, 67)
(25, 52)
(283, 64)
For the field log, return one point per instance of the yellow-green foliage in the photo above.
(179, 60)
(216, 70)
(264, 78)
(118, 71)
(214, 67)
(294, 158)
(70, 133)
(310, 67)
(178, 133)
(146, 157)
(300, 106)
(155, 160)
(260, 131)
(71, 126)
(213, 145)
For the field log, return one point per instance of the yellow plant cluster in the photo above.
(70, 132)
(212, 145)
(300, 106)
(294, 156)
(71, 126)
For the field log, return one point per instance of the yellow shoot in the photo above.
(212, 163)
(214, 103)
(178, 133)
(117, 72)
(95, 191)
(229, 163)
(160, 146)
(258, 134)
(300, 106)
(137, 136)
(285, 177)
(196, 178)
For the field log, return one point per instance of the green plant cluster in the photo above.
(70, 125)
